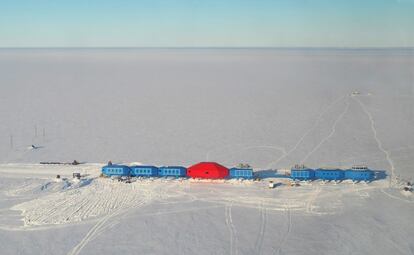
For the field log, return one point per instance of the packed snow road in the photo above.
(40, 214)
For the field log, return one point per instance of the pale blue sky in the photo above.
(207, 23)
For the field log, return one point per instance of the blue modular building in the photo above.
(329, 174)
(359, 173)
(147, 171)
(246, 173)
(116, 170)
(175, 171)
(302, 173)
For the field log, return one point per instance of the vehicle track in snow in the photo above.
(232, 230)
(73, 205)
(90, 235)
(311, 201)
(395, 197)
(102, 198)
(220, 148)
(317, 122)
(263, 221)
(375, 157)
(101, 225)
(379, 142)
(330, 134)
(271, 204)
(288, 230)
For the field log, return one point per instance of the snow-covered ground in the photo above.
(268, 108)
(40, 214)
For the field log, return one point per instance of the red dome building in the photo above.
(208, 170)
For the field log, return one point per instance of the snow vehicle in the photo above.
(33, 147)
(294, 184)
(408, 187)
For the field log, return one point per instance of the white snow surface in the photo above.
(185, 216)
(268, 108)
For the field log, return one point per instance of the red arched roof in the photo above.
(208, 170)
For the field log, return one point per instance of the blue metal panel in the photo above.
(241, 173)
(116, 170)
(144, 171)
(359, 175)
(302, 174)
(176, 171)
(329, 174)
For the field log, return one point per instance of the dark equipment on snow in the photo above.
(408, 189)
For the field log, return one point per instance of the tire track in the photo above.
(289, 228)
(99, 227)
(330, 134)
(281, 149)
(395, 197)
(375, 156)
(263, 221)
(312, 199)
(317, 122)
(379, 142)
(232, 230)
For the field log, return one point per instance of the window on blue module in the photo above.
(359, 173)
(300, 172)
(116, 170)
(176, 171)
(245, 173)
(329, 174)
(144, 171)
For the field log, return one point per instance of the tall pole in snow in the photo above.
(11, 141)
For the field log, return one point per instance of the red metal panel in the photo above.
(208, 170)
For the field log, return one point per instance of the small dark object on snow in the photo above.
(58, 176)
(109, 163)
(76, 175)
(408, 189)
(75, 163)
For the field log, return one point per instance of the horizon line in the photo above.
(212, 47)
